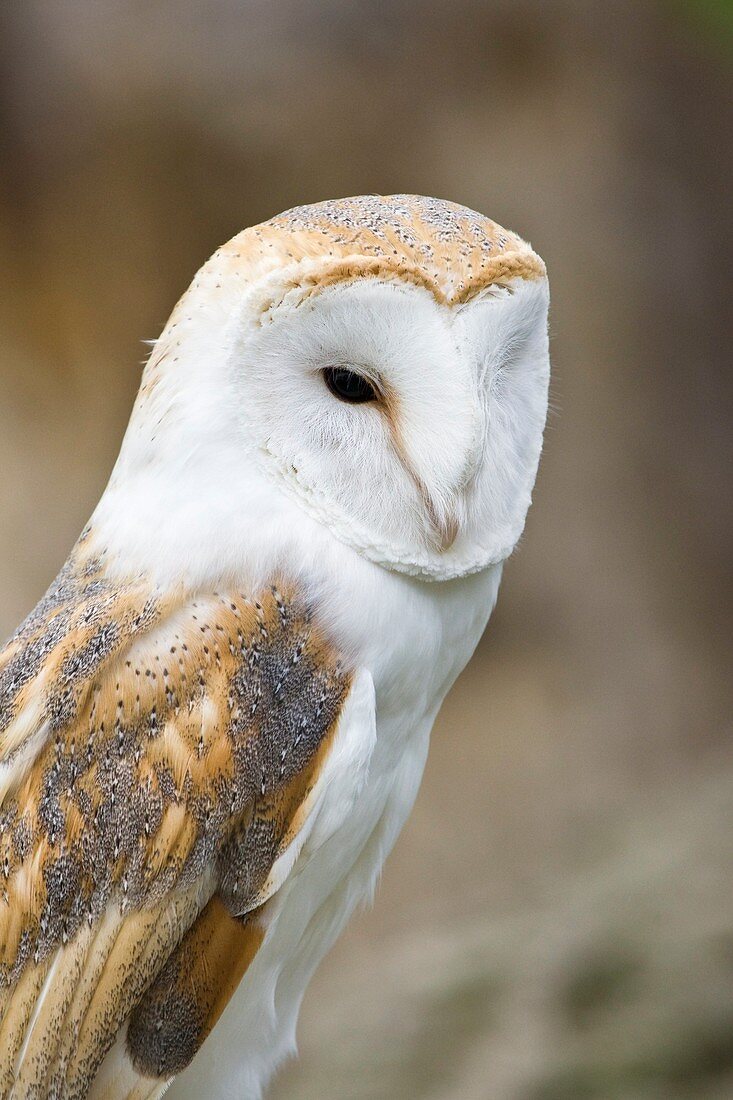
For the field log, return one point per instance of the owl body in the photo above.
(412, 640)
(214, 726)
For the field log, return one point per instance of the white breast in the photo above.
(369, 792)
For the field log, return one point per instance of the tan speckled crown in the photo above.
(451, 250)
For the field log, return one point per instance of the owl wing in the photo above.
(160, 759)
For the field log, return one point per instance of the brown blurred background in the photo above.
(556, 922)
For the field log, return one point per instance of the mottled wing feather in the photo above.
(190, 993)
(149, 810)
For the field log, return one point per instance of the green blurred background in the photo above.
(556, 922)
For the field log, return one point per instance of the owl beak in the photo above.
(448, 534)
(443, 525)
(446, 531)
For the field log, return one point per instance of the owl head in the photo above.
(382, 361)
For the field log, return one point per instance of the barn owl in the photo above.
(214, 724)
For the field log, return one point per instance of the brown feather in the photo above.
(184, 734)
(189, 995)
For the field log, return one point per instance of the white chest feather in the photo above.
(365, 797)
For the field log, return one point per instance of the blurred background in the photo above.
(556, 922)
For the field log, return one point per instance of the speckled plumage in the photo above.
(451, 250)
(185, 733)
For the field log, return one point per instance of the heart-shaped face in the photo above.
(385, 359)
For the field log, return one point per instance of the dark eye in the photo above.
(349, 386)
